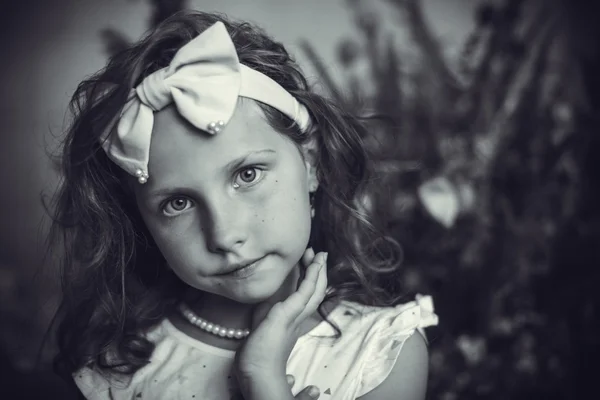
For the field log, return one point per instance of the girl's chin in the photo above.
(256, 292)
(253, 291)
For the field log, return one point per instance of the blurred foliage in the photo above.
(486, 180)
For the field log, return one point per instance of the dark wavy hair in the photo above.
(115, 283)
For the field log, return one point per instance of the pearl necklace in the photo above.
(210, 327)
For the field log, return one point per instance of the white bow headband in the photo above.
(204, 80)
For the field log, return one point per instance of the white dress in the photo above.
(346, 368)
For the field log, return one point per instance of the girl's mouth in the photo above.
(246, 270)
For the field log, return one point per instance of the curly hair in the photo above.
(115, 283)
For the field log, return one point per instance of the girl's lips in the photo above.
(246, 271)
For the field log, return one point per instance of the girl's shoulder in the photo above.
(393, 321)
(363, 356)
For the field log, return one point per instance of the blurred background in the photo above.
(487, 176)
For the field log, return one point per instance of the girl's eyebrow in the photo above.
(238, 162)
(232, 165)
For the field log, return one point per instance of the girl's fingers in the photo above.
(308, 393)
(283, 311)
(300, 297)
(318, 295)
(308, 257)
(295, 305)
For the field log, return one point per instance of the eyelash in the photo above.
(169, 201)
(249, 184)
(259, 178)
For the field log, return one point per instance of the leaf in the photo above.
(440, 199)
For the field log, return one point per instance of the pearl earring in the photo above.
(311, 199)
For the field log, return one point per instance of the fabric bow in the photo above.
(204, 80)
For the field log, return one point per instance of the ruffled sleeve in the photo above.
(388, 333)
(95, 386)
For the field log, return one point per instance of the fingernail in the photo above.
(323, 260)
(290, 379)
(314, 392)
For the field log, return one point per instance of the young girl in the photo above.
(200, 172)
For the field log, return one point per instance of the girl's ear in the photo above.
(312, 181)
(309, 151)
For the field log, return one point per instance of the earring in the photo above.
(311, 200)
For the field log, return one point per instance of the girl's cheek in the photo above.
(266, 192)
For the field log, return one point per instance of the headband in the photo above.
(204, 80)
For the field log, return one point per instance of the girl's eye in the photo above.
(247, 176)
(176, 205)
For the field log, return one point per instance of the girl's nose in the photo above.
(227, 228)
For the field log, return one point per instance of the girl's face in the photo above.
(213, 203)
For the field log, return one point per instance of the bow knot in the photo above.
(154, 90)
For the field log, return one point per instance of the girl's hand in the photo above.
(308, 393)
(262, 358)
